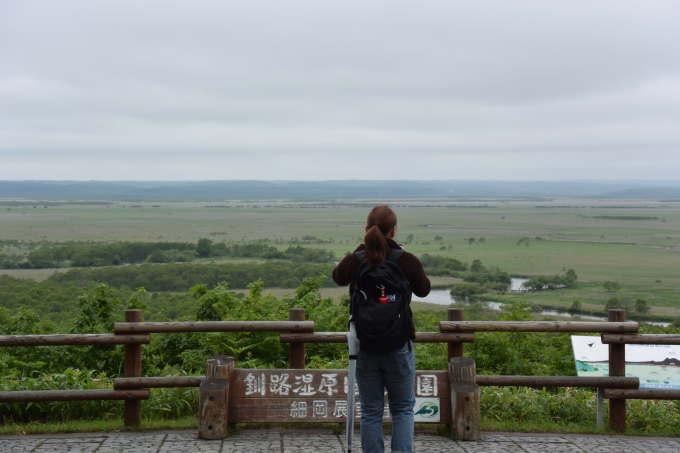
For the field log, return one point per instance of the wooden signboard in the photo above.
(286, 395)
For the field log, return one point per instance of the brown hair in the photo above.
(380, 222)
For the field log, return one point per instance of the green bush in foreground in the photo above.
(572, 406)
(93, 367)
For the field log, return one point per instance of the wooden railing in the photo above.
(296, 332)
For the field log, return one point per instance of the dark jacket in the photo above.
(347, 271)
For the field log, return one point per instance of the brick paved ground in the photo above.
(320, 441)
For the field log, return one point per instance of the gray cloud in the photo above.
(334, 90)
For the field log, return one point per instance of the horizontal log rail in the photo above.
(296, 332)
(72, 339)
(643, 394)
(33, 396)
(481, 380)
(641, 339)
(557, 381)
(537, 326)
(341, 337)
(213, 326)
(157, 382)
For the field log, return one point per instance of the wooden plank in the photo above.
(462, 369)
(481, 380)
(71, 395)
(316, 337)
(455, 349)
(255, 383)
(296, 351)
(537, 326)
(132, 410)
(557, 381)
(213, 405)
(466, 422)
(641, 339)
(72, 339)
(213, 326)
(303, 409)
(617, 367)
(448, 337)
(219, 367)
(157, 382)
(213, 409)
(643, 394)
(341, 337)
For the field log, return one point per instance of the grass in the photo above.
(103, 426)
(568, 428)
(636, 253)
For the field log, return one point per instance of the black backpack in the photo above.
(380, 304)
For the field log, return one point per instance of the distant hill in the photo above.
(316, 190)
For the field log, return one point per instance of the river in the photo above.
(443, 297)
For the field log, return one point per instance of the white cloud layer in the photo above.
(172, 89)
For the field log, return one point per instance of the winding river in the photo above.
(443, 297)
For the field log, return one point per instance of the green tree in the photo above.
(571, 275)
(137, 300)
(157, 256)
(612, 304)
(96, 311)
(641, 306)
(477, 266)
(612, 286)
(204, 247)
(575, 307)
(471, 241)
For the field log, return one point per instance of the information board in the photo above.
(657, 366)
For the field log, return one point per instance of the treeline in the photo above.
(56, 297)
(436, 265)
(480, 279)
(88, 254)
(180, 277)
(58, 302)
(493, 279)
(624, 217)
(542, 282)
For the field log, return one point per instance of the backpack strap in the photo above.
(394, 255)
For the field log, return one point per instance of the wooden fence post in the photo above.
(213, 406)
(296, 351)
(455, 349)
(132, 409)
(466, 417)
(617, 367)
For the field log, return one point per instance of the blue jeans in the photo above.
(396, 372)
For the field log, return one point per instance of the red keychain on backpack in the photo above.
(383, 299)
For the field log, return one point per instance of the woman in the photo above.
(393, 370)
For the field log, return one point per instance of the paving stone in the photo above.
(19, 446)
(322, 441)
(538, 439)
(490, 447)
(67, 447)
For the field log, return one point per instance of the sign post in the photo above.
(353, 345)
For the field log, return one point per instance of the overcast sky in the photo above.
(177, 90)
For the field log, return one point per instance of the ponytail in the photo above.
(381, 220)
